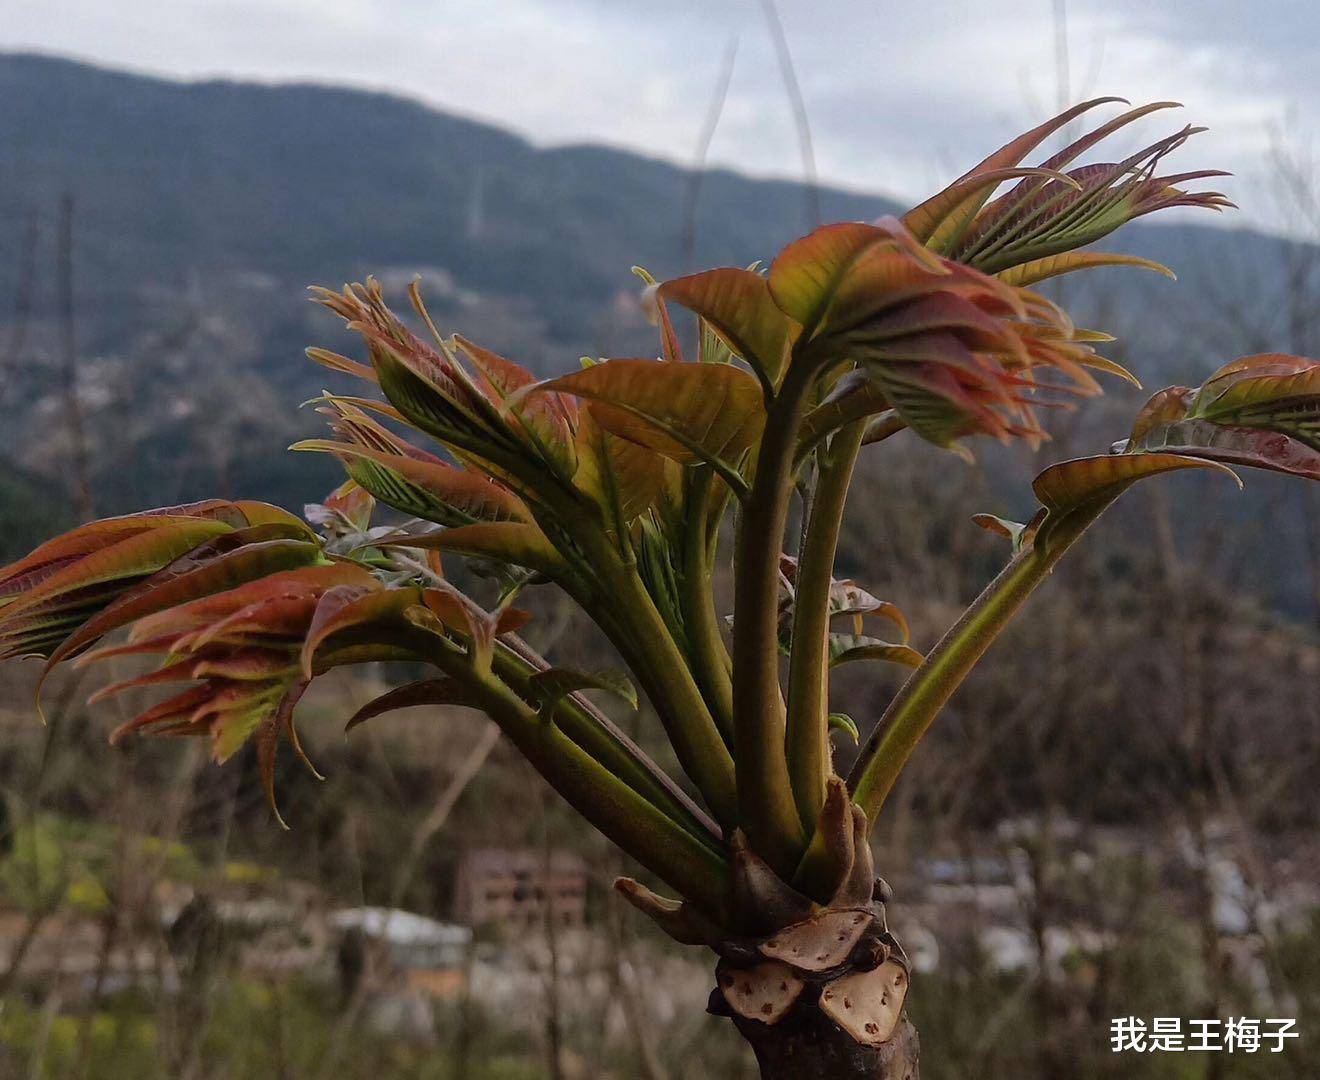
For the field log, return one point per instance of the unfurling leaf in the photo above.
(941, 218)
(426, 386)
(943, 349)
(424, 488)
(352, 607)
(838, 275)
(545, 420)
(1073, 483)
(48, 595)
(244, 648)
(504, 541)
(855, 396)
(848, 648)
(736, 305)
(1016, 532)
(687, 412)
(275, 728)
(625, 478)
(1057, 210)
(442, 691)
(1055, 265)
(843, 722)
(1262, 411)
(191, 577)
(557, 683)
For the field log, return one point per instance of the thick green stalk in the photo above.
(641, 829)
(599, 737)
(807, 734)
(608, 588)
(710, 658)
(951, 660)
(628, 615)
(765, 794)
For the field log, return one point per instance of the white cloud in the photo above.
(899, 98)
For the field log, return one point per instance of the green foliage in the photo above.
(58, 860)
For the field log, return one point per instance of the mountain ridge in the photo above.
(202, 209)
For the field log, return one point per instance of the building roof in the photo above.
(399, 927)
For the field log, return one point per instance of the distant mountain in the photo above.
(316, 183)
(201, 210)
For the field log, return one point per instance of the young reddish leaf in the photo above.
(925, 219)
(546, 420)
(205, 611)
(687, 412)
(1054, 265)
(1256, 447)
(456, 611)
(276, 726)
(1038, 220)
(853, 397)
(441, 691)
(180, 671)
(943, 405)
(227, 712)
(554, 684)
(1015, 532)
(243, 664)
(29, 571)
(93, 581)
(847, 648)
(259, 514)
(429, 388)
(1270, 390)
(426, 489)
(625, 478)
(353, 607)
(1080, 480)
(342, 364)
(1262, 411)
(275, 621)
(253, 665)
(806, 275)
(169, 714)
(506, 541)
(185, 580)
(941, 220)
(737, 305)
(1167, 407)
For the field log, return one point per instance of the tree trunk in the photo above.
(818, 990)
(811, 1047)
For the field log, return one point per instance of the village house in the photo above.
(520, 888)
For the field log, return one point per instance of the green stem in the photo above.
(807, 734)
(599, 737)
(607, 586)
(765, 794)
(951, 660)
(710, 658)
(625, 611)
(645, 832)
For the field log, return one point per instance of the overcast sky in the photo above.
(900, 95)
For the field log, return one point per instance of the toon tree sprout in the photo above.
(612, 483)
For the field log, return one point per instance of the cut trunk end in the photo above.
(812, 1047)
